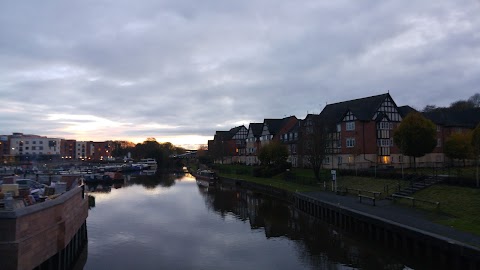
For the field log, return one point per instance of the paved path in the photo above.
(404, 215)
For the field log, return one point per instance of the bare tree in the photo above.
(314, 140)
(475, 100)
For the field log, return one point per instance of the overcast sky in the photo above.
(180, 70)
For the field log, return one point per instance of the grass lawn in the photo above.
(277, 182)
(385, 186)
(459, 206)
(465, 172)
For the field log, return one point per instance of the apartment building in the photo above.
(34, 146)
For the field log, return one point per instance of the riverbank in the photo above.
(457, 208)
(385, 214)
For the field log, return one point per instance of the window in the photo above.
(40, 142)
(337, 144)
(386, 125)
(34, 142)
(384, 142)
(327, 160)
(350, 126)
(339, 159)
(350, 142)
(438, 128)
(339, 127)
(34, 148)
(439, 142)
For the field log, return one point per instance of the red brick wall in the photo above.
(40, 231)
(67, 148)
(292, 121)
(101, 149)
(365, 135)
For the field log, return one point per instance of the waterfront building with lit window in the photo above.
(83, 150)
(363, 132)
(34, 146)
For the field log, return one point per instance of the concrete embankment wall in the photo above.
(40, 233)
(408, 240)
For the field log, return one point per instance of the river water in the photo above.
(171, 222)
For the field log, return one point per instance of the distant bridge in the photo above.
(189, 155)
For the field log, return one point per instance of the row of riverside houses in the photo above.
(28, 147)
(362, 135)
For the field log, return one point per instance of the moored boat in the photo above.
(206, 177)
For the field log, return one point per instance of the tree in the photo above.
(430, 108)
(161, 152)
(475, 100)
(461, 105)
(314, 138)
(203, 155)
(273, 154)
(415, 136)
(458, 146)
(476, 149)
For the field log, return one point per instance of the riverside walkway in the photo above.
(404, 215)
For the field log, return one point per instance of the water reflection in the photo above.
(319, 244)
(148, 181)
(173, 223)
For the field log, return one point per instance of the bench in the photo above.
(375, 194)
(413, 200)
(360, 197)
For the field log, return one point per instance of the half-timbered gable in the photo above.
(253, 142)
(384, 138)
(349, 117)
(390, 109)
(274, 128)
(239, 136)
(364, 130)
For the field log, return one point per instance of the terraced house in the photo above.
(360, 134)
(229, 146)
(363, 132)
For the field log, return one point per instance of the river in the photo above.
(170, 222)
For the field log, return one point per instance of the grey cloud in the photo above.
(206, 66)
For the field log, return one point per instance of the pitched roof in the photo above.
(295, 127)
(468, 118)
(227, 135)
(362, 108)
(223, 135)
(274, 125)
(235, 130)
(404, 110)
(256, 129)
